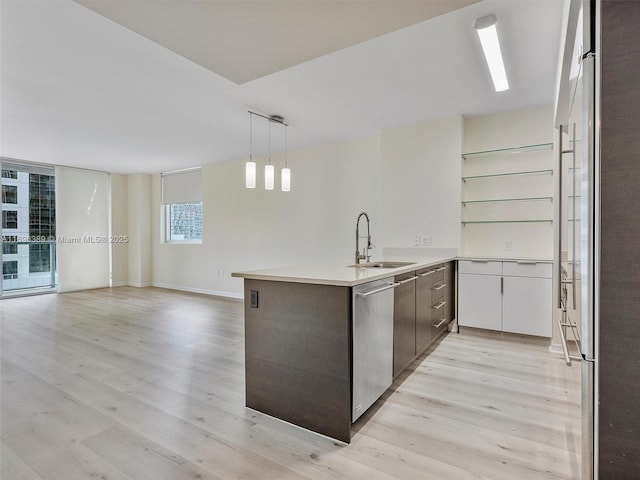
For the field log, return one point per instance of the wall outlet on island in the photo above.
(426, 241)
(416, 241)
(221, 272)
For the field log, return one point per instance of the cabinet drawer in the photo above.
(440, 323)
(438, 291)
(481, 267)
(527, 269)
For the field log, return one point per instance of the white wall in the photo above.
(406, 178)
(119, 228)
(250, 229)
(139, 226)
(507, 130)
(420, 184)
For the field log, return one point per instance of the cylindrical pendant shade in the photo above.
(250, 175)
(286, 180)
(269, 177)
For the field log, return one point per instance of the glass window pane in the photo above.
(10, 270)
(39, 258)
(9, 219)
(9, 194)
(9, 248)
(185, 222)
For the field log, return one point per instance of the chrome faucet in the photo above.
(365, 251)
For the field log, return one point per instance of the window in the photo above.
(9, 248)
(10, 270)
(42, 205)
(184, 222)
(9, 219)
(39, 257)
(9, 194)
(6, 173)
(182, 204)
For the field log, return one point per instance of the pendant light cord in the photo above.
(250, 137)
(269, 142)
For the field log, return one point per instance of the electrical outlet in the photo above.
(508, 246)
(221, 272)
(426, 241)
(417, 240)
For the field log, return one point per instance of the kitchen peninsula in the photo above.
(322, 343)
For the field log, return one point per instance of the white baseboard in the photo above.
(217, 293)
(119, 284)
(140, 285)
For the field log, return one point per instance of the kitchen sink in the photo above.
(383, 265)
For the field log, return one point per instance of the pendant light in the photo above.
(268, 168)
(285, 182)
(250, 167)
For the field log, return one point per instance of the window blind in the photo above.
(182, 186)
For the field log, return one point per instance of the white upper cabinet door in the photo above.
(526, 306)
(479, 301)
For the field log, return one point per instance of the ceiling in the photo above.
(79, 89)
(246, 40)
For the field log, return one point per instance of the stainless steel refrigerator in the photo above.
(599, 251)
(577, 122)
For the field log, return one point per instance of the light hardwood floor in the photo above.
(131, 383)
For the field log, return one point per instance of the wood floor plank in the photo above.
(13, 467)
(148, 383)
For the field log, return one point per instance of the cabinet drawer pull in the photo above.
(440, 322)
(440, 287)
(440, 305)
(526, 262)
(428, 273)
(407, 280)
(441, 269)
(479, 261)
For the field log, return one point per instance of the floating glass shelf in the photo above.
(530, 172)
(522, 199)
(526, 148)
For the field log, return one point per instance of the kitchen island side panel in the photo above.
(298, 354)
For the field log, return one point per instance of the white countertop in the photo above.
(341, 275)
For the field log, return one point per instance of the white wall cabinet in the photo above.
(507, 296)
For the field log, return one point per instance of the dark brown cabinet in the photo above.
(423, 308)
(424, 282)
(439, 303)
(404, 322)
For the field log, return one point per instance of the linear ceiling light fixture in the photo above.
(486, 28)
(269, 169)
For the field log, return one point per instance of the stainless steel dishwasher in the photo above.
(372, 343)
